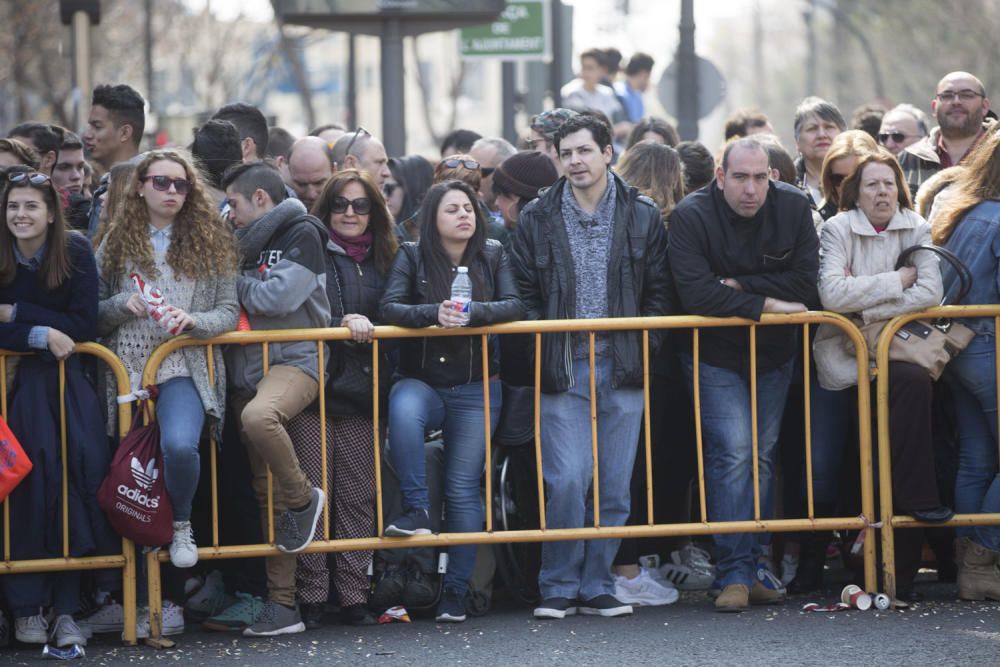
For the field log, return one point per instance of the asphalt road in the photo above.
(938, 631)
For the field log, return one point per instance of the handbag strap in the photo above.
(964, 275)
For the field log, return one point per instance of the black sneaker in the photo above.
(451, 609)
(414, 522)
(605, 605)
(357, 614)
(312, 614)
(555, 608)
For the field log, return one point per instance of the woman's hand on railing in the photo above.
(360, 326)
(783, 307)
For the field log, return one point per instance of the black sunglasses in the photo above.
(33, 177)
(361, 205)
(454, 162)
(357, 133)
(897, 137)
(163, 183)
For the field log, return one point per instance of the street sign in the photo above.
(711, 88)
(520, 33)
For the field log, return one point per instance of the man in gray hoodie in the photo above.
(282, 286)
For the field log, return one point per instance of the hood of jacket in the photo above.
(254, 237)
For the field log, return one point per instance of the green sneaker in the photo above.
(241, 614)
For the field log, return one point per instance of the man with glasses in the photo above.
(361, 150)
(902, 126)
(960, 107)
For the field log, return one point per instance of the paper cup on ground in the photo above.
(857, 598)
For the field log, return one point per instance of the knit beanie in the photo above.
(525, 173)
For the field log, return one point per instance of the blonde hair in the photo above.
(656, 170)
(201, 243)
(852, 143)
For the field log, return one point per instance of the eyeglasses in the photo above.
(897, 137)
(532, 144)
(357, 133)
(361, 205)
(961, 95)
(33, 177)
(454, 162)
(163, 183)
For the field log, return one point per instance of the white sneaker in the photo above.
(65, 632)
(689, 569)
(644, 591)
(31, 629)
(183, 550)
(108, 617)
(789, 568)
(173, 621)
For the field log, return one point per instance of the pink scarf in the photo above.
(355, 248)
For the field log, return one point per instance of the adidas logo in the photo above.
(144, 477)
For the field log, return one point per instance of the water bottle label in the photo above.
(461, 305)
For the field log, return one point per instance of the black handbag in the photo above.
(349, 388)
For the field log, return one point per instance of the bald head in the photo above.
(309, 167)
(361, 150)
(960, 105)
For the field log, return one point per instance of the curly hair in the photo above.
(201, 243)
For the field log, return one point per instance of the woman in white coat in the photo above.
(859, 249)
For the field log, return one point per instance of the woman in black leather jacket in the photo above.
(443, 383)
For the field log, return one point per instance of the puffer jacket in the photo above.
(447, 361)
(857, 275)
(638, 280)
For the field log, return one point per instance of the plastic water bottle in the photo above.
(461, 293)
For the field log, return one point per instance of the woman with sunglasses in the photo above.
(168, 233)
(841, 156)
(48, 302)
(359, 252)
(443, 377)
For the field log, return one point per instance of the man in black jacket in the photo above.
(739, 247)
(589, 247)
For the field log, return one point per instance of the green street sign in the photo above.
(520, 33)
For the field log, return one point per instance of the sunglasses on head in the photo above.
(454, 162)
(163, 183)
(358, 132)
(33, 177)
(897, 137)
(361, 205)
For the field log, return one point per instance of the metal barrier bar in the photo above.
(754, 444)
(647, 428)
(699, 440)
(596, 531)
(376, 405)
(889, 520)
(593, 432)
(126, 560)
(488, 433)
(324, 450)
(213, 455)
(807, 401)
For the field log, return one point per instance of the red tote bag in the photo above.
(14, 463)
(134, 494)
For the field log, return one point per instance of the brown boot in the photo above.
(761, 594)
(978, 572)
(733, 598)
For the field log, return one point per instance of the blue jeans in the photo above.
(727, 438)
(577, 568)
(972, 378)
(181, 415)
(416, 407)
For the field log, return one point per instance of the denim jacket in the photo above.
(976, 241)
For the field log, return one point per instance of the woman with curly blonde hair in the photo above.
(166, 234)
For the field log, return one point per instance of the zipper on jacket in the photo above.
(360, 272)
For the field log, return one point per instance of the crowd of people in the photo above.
(600, 212)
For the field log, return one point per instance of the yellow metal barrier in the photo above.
(888, 518)
(126, 560)
(597, 531)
